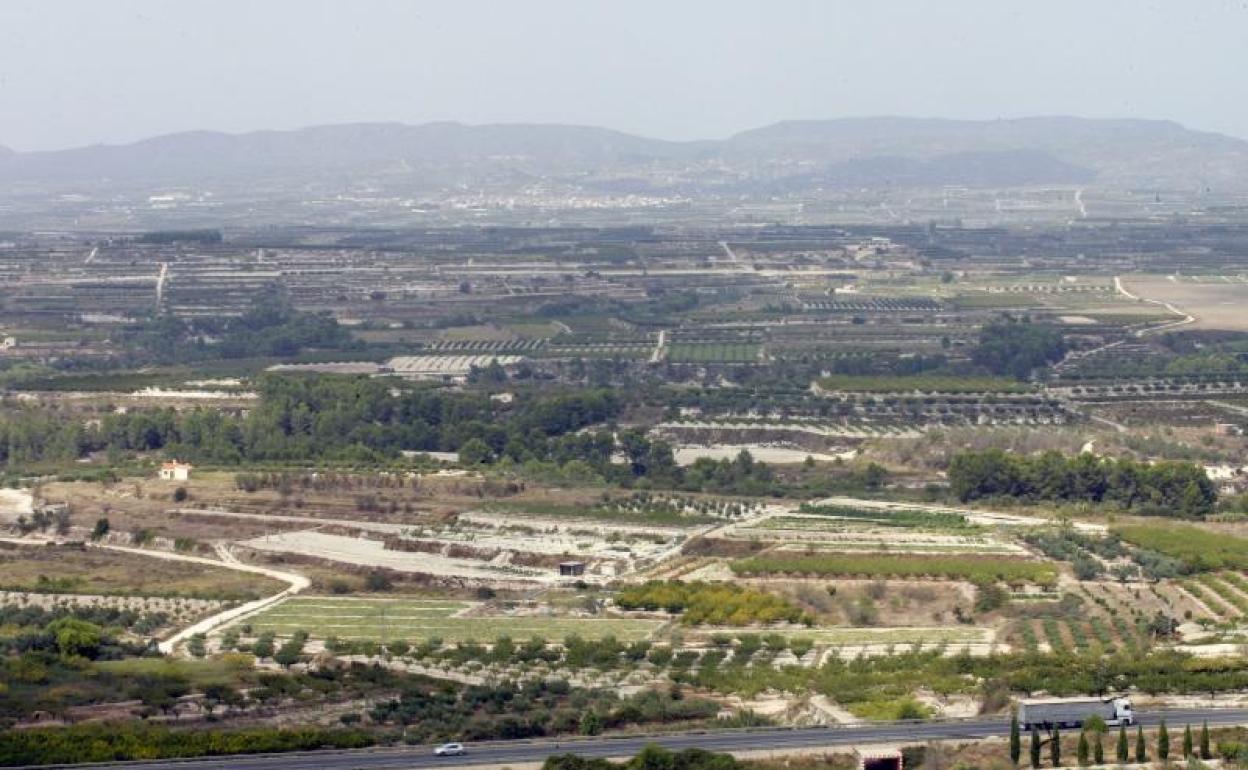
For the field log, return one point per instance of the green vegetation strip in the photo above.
(727, 352)
(894, 517)
(922, 383)
(712, 603)
(414, 622)
(1199, 550)
(973, 568)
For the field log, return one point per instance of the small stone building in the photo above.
(175, 471)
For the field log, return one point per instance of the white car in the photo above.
(449, 750)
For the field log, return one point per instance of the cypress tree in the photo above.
(1098, 750)
(1055, 748)
(1187, 742)
(1163, 742)
(1016, 741)
(1123, 754)
(1035, 748)
(1082, 751)
(1205, 753)
(1141, 748)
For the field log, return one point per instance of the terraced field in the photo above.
(417, 620)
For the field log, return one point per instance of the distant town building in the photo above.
(175, 471)
(571, 568)
(1227, 429)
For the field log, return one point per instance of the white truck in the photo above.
(1073, 712)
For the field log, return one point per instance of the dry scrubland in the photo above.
(79, 570)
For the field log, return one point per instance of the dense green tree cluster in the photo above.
(132, 741)
(653, 460)
(1017, 348)
(531, 709)
(36, 635)
(711, 603)
(1164, 488)
(204, 235)
(861, 680)
(651, 758)
(271, 327)
(310, 417)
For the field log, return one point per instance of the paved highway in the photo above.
(762, 739)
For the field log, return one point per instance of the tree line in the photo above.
(1165, 488)
(302, 418)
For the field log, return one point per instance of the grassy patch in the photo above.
(217, 670)
(891, 709)
(417, 620)
(1199, 550)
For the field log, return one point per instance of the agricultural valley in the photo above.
(520, 474)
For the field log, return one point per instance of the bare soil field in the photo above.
(1216, 303)
(76, 569)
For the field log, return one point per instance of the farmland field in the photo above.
(883, 565)
(1216, 304)
(69, 569)
(713, 353)
(921, 383)
(1198, 549)
(417, 620)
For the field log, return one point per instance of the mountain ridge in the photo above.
(1036, 150)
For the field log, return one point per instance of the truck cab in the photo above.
(1122, 712)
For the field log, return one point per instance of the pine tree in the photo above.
(1187, 742)
(1055, 748)
(1123, 754)
(1016, 742)
(1098, 750)
(1082, 751)
(1163, 742)
(1141, 748)
(1035, 748)
(1205, 753)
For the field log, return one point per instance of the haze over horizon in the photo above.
(77, 73)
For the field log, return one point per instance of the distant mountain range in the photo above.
(788, 158)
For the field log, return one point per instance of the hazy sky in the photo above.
(86, 71)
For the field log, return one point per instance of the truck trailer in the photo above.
(1073, 712)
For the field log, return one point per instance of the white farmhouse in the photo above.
(175, 471)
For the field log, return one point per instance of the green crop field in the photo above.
(974, 568)
(916, 519)
(416, 620)
(1200, 550)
